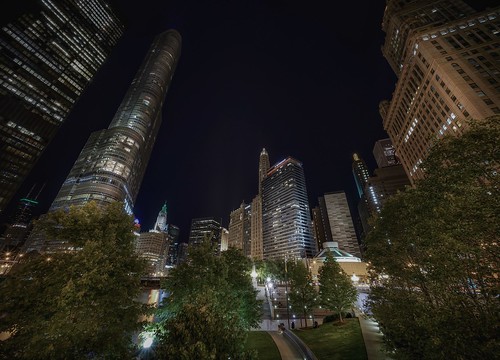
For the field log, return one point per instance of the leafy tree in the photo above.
(434, 253)
(211, 305)
(335, 288)
(302, 293)
(76, 305)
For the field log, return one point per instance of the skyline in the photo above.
(297, 81)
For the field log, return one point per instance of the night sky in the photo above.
(299, 78)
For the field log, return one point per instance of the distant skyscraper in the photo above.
(173, 233)
(239, 229)
(263, 167)
(384, 153)
(112, 163)
(154, 245)
(47, 59)
(224, 239)
(360, 173)
(286, 219)
(385, 182)
(446, 58)
(202, 229)
(336, 209)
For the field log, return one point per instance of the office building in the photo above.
(240, 228)
(224, 239)
(384, 153)
(446, 58)
(173, 233)
(339, 226)
(113, 161)
(48, 57)
(205, 229)
(153, 247)
(286, 219)
(385, 182)
(256, 241)
(360, 173)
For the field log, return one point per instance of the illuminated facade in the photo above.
(239, 229)
(338, 223)
(113, 161)
(203, 229)
(446, 57)
(384, 153)
(360, 173)
(47, 59)
(286, 219)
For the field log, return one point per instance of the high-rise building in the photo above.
(445, 56)
(224, 239)
(335, 208)
(385, 182)
(360, 173)
(47, 59)
(240, 228)
(286, 219)
(173, 233)
(205, 229)
(384, 153)
(263, 167)
(112, 163)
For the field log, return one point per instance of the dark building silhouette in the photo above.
(48, 57)
(205, 229)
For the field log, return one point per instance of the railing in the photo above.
(306, 352)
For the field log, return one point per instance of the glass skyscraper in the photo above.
(286, 220)
(113, 161)
(47, 58)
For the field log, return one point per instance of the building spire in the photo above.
(263, 167)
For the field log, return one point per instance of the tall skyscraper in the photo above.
(239, 229)
(360, 173)
(385, 182)
(47, 59)
(446, 58)
(112, 163)
(263, 167)
(205, 229)
(286, 219)
(335, 208)
(256, 240)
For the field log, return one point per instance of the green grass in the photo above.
(332, 341)
(264, 344)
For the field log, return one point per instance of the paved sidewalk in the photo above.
(372, 337)
(287, 350)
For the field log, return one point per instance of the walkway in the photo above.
(372, 337)
(287, 349)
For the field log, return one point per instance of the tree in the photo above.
(210, 307)
(302, 293)
(434, 253)
(335, 288)
(76, 305)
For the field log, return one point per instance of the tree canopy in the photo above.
(302, 292)
(336, 291)
(434, 253)
(81, 304)
(211, 305)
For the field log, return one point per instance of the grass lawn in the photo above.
(264, 344)
(332, 341)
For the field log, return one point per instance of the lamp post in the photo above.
(286, 295)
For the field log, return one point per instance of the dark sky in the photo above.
(298, 78)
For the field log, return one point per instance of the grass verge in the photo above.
(333, 341)
(264, 344)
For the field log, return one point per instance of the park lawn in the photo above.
(332, 341)
(264, 344)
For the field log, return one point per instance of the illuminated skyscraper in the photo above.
(112, 163)
(338, 222)
(47, 59)
(286, 219)
(239, 229)
(446, 58)
(205, 229)
(256, 244)
(360, 173)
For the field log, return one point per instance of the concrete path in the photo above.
(287, 349)
(372, 337)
